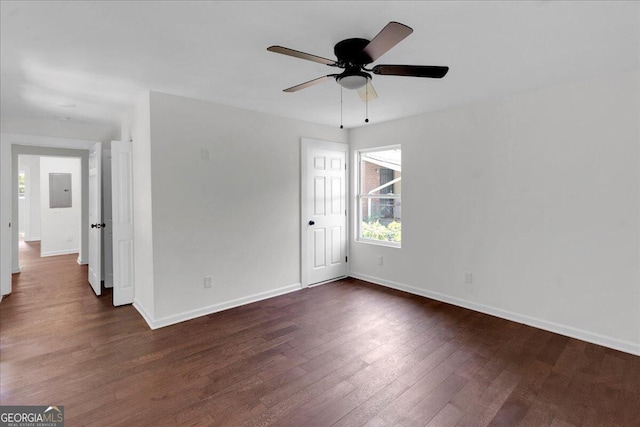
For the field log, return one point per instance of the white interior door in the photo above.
(324, 212)
(122, 220)
(95, 218)
(107, 234)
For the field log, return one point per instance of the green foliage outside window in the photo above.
(376, 231)
(21, 184)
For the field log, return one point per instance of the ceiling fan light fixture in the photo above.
(353, 81)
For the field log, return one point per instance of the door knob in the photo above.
(94, 225)
(312, 222)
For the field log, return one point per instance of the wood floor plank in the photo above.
(449, 415)
(434, 401)
(365, 412)
(539, 414)
(516, 406)
(406, 402)
(348, 353)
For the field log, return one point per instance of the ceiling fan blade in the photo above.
(432, 71)
(309, 83)
(301, 55)
(392, 34)
(367, 92)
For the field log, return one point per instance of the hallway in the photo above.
(52, 318)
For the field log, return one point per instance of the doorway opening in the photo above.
(49, 205)
(15, 145)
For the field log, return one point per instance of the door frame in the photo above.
(12, 145)
(305, 145)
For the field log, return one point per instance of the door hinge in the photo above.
(346, 259)
(345, 212)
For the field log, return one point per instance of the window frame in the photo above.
(359, 196)
(22, 173)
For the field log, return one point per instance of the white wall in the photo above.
(68, 129)
(537, 195)
(235, 216)
(21, 215)
(60, 227)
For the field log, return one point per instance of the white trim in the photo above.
(60, 252)
(569, 331)
(33, 239)
(327, 281)
(143, 313)
(82, 261)
(305, 144)
(192, 314)
(16, 270)
(327, 145)
(378, 243)
(48, 141)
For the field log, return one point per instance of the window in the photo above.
(22, 187)
(379, 192)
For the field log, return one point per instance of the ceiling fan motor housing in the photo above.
(350, 53)
(352, 58)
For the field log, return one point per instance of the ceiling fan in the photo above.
(355, 54)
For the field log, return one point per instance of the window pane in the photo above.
(384, 210)
(381, 172)
(380, 208)
(385, 230)
(21, 184)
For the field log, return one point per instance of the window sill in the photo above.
(380, 243)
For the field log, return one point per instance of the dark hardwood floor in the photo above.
(347, 354)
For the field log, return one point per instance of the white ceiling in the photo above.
(100, 55)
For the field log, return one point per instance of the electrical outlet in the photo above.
(468, 278)
(208, 281)
(204, 154)
(379, 260)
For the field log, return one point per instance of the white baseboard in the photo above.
(147, 318)
(327, 281)
(32, 239)
(108, 281)
(569, 331)
(16, 270)
(82, 261)
(192, 314)
(60, 252)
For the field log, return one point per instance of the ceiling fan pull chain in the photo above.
(341, 127)
(366, 103)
